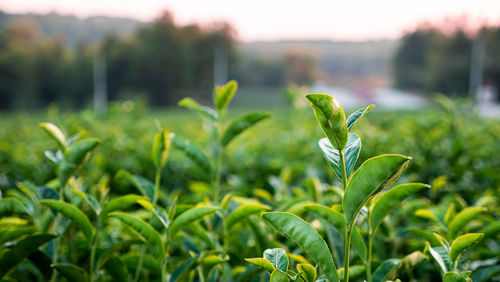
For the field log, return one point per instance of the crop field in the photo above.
(209, 193)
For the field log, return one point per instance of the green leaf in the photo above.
(145, 186)
(55, 133)
(462, 219)
(73, 213)
(160, 213)
(242, 212)
(16, 254)
(184, 268)
(373, 176)
(11, 206)
(12, 233)
(149, 264)
(485, 274)
(278, 258)
(226, 201)
(332, 155)
(338, 221)
(114, 250)
(353, 118)
(426, 235)
(197, 230)
(450, 214)
(224, 94)
(202, 110)
(190, 216)
(74, 157)
(161, 147)
(308, 272)
(264, 263)
(384, 269)
(391, 199)
(491, 230)
(116, 269)
(457, 276)
(279, 276)
(72, 272)
(463, 242)
(241, 124)
(406, 264)
(193, 152)
(442, 241)
(91, 200)
(331, 118)
(152, 237)
(442, 257)
(120, 203)
(304, 235)
(212, 260)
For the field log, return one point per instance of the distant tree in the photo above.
(412, 59)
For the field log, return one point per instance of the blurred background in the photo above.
(86, 54)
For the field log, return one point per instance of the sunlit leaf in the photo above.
(331, 118)
(161, 148)
(202, 110)
(278, 258)
(463, 242)
(353, 118)
(224, 94)
(152, 237)
(194, 152)
(74, 157)
(304, 235)
(55, 133)
(458, 223)
(372, 177)
(264, 263)
(241, 124)
(73, 213)
(242, 212)
(190, 216)
(391, 199)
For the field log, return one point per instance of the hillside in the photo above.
(339, 61)
(343, 63)
(73, 29)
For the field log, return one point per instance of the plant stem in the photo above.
(55, 248)
(218, 164)
(344, 173)
(348, 232)
(348, 227)
(157, 185)
(217, 175)
(370, 246)
(139, 266)
(93, 251)
(57, 241)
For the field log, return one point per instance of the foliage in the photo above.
(142, 203)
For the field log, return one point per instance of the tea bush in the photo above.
(232, 196)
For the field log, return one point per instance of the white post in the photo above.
(100, 84)
(476, 65)
(220, 64)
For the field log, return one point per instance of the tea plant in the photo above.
(157, 207)
(364, 187)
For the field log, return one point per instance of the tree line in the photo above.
(431, 59)
(159, 62)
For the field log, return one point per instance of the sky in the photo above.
(281, 19)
